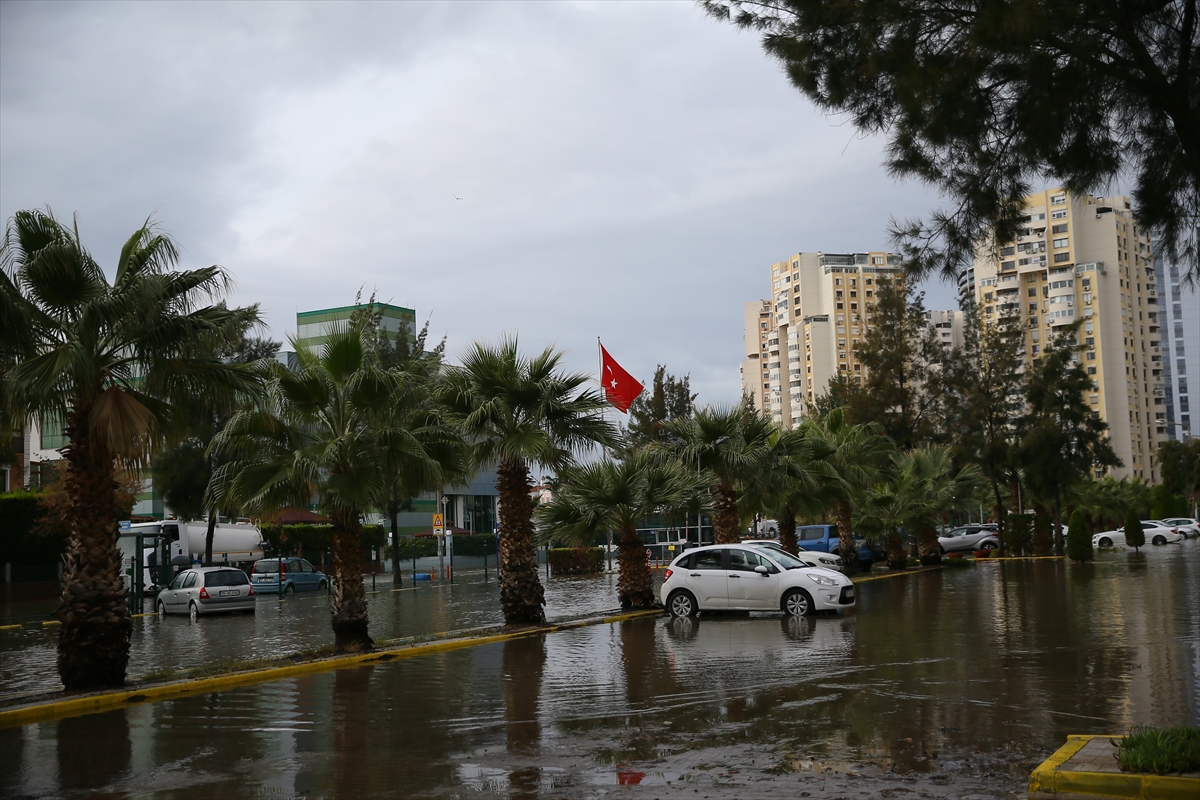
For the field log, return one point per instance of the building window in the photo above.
(1008, 251)
(1062, 257)
(1091, 370)
(1058, 214)
(1059, 228)
(1063, 242)
(1058, 199)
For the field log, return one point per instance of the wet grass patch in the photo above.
(1160, 751)
(958, 563)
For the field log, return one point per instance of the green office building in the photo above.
(313, 327)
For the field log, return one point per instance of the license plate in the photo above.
(231, 593)
(850, 594)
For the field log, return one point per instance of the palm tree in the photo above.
(856, 454)
(915, 492)
(110, 361)
(793, 481)
(329, 430)
(617, 494)
(517, 411)
(728, 444)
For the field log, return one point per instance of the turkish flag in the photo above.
(620, 388)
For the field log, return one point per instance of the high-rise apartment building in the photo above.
(756, 380)
(1180, 317)
(819, 312)
(1086, 259)
(313, 327)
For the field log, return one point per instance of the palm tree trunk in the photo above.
(787, 530)
(394, 518)
(1000, 520)
(208, 537)
(726, 527)
(521, 594)
(928, 549)
(349, 604)
(1058, 537)
(897, 556)
(846, 546)
(93, 642)
(635, 587)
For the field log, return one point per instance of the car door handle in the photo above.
(693, 574)
(735, 576)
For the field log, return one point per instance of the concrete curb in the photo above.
(122, 698)
(1050, 780)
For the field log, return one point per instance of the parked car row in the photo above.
(210, 590)
(1156, 531)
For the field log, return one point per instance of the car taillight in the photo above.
(203, 594)
(251, 591)
(667, 575)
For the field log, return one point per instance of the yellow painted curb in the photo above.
(913, 571)
(1049, 779)
(122, 698)
(10, 627)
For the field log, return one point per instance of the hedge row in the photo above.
(312, 539)
(576, 560)
(465, 544)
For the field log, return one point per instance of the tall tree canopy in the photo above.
(114, 363)
(985, 98)
(670, 398)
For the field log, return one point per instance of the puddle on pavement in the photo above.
(956, 683)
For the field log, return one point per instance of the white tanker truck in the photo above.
(234, 543)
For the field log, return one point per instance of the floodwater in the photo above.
(948, 684)
(285, 625)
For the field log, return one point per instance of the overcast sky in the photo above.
(627, 170)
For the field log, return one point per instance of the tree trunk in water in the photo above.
(897, 556)
(208, 537)
(846, 546)
(394, 519)
(726, 527)
(787, 531)
(349, 604)
(93, 642)
(521, 594)
(1058, 537)
(1014, 496)
(999, 514)
(928, 549)
(635, 587)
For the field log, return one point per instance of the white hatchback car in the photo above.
(813, 559)
(1156, 533)
(1185, 525)
(729, 577)
(207, 590)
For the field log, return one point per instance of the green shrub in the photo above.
(1043, 533)
(1167, 505)
(1018, 533)
(474, 544)
(576, 560)
(1160, 752)
(415, 547)
(1079, 540)
(1135, 537)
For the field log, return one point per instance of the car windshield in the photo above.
(782, 557)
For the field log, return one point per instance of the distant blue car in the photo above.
(297, 574)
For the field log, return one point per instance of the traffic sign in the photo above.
(439, 524)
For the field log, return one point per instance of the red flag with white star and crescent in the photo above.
(620, 388)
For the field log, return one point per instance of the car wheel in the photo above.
(1159, 540)
(988, 546)
(289, 590)
(322, 586)
(193, 612)
(942, 549)
(162, 609)
(682, 604)
(1106, 542)
(797, 603)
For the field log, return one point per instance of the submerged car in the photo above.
(826, 560)
(297, 574)
(207, 590)
(746, 578)
(1156, 533)
(969, 538)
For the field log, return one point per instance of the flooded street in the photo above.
(951, 683)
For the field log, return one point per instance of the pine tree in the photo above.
(669, 398)
(1135, 536)
(1079, 539)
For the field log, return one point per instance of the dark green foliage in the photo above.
(474, 544)
(901, 355)
(1160, 752)
(1043, 533)
(984, 99)
(181, 474)
(669, 398)
(21, 540)
(1079, 538)
(1135, 536)
(1180, 463)
(1018, 534)
(411, 547)
(576, 560)
(1166, 505)
(1063, 443)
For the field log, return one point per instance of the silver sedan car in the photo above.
(969, 538)
(207, 590)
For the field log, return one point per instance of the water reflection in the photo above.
(967, 676)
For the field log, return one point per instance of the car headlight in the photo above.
(822, 580)
(829, 560)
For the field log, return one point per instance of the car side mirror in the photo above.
(761, 570)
